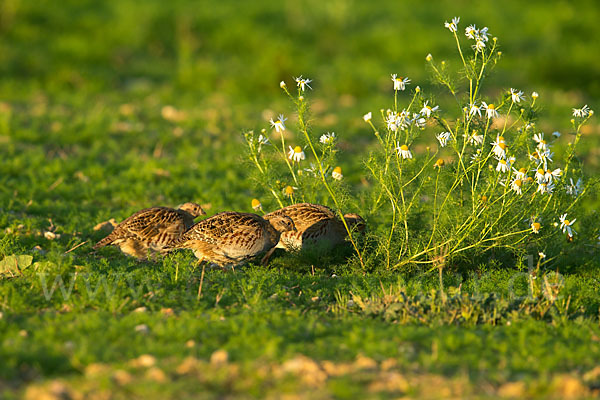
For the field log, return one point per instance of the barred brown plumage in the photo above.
(230, 238)
(316, 226)
(151, 229)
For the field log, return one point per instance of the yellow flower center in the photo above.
(542, 142)
(491, 106)
(522, 170)
(502, 145)
(404, 147)
(297, 149)
(567, 222)
(439, 162)
(289, 190)
(500, 139)
(535, 154)
(337, 170)
(536, 226)
(502, 162)
(529, 179)
(518, 182)
(255, 203)
(540, 171)
(484, 198)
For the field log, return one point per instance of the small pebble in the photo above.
(122, 377)
(219, 357)
(156, 374)
(51, 235)
(144, 361)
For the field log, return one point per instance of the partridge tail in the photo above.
(104, 242)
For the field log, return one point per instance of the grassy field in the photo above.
(110, 107)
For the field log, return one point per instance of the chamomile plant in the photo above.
(446, 184)
(490, 179)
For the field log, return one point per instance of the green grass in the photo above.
(85, 136)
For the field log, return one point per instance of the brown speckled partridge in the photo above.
(230, 238)
(151, 229)
(317, 227)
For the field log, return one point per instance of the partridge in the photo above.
(317, 226)
(230, 238)
(151, 229)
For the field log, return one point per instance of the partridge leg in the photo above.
(201, 261)
(265, 259)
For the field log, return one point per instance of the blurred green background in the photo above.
(148, 99)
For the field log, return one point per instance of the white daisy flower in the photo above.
(542, 254)
(552, 175)
(475, 156)
(403, 151)
(490, 110)
(262, 140)
(540, 176)
(483, 33)
(542, 157)
(443, 138)
(535, 95)
(427, 109)
(392, 121)
(545, 187)
(303, 82)
(312, 169)
(516, 96)
(256, 205)
(503, 165)
(367, 117)
(541, 143)
(520, 173)
(535, 226)
(279, 124)
(337, 173)
(296, 154)
(419, 121)
(565, 225)
(474, 110)
(400, 82)
(470, 31)
(475, 139)
(479, 45)
(581, 112)
(282, 85)
(404, 119)
(327, 138)
(452, 26)
(535, 156)
(515, 185)
(499, 147)
(574, 189)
